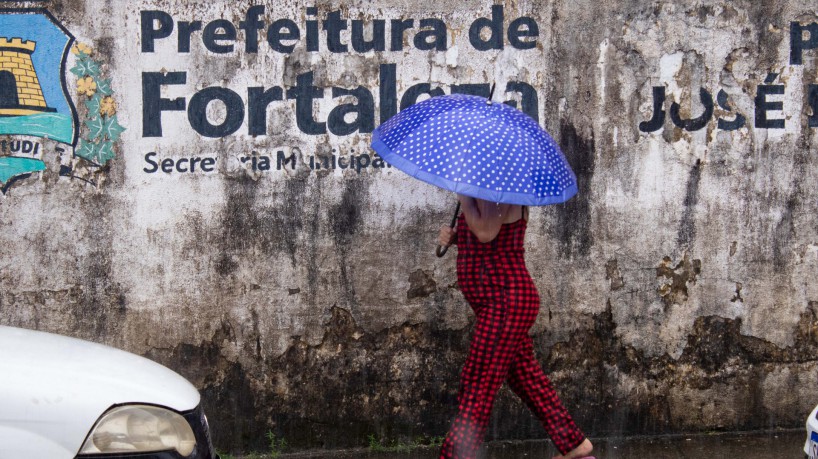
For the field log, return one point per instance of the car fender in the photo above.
(16, 442)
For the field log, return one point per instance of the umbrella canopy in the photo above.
(472, 146)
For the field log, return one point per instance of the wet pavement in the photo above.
(767, 445)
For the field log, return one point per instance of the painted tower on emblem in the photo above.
(34, 101)
(33, 96)
(20, 91)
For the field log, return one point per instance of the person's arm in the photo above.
(483, 217)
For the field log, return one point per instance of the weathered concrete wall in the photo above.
(677, 286)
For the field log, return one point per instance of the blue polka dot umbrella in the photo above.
(471, 146)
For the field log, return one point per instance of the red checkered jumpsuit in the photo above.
(494, 279)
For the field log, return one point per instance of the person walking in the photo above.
(492, 275)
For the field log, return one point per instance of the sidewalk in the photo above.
(786, 444)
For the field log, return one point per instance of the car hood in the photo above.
(54, 388)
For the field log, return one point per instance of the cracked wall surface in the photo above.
(304, 298)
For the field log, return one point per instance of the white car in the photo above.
(811, 445)
(64, 398)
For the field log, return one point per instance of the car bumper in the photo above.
(811, 445)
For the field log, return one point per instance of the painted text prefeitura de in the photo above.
(332, 33)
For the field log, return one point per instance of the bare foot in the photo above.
(582, 450)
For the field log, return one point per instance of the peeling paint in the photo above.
(679, 276)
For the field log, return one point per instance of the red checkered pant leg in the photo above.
(506, 304)
(527, 379)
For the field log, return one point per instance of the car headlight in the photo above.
(138, 429)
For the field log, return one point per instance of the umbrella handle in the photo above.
(440, 249)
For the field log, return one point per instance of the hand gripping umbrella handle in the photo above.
(440, 249)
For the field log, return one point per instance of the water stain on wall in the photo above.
(345, 220)
(687, 225)
(573, 225)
